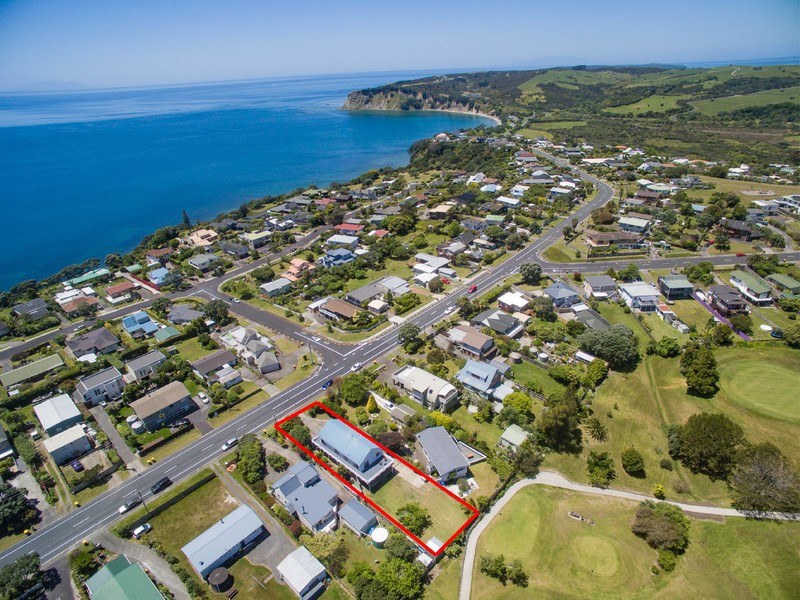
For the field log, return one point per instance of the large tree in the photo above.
(354, 389)
(21, 575)
(618, 346)
(764, 481)
(408, 333)
(531, 273)
(17, 511)
(700, 369)
(399, 546)
(557, 427)
(414, 518)
(217, 310)
(708, 443)
(662, 525)
(401, 580)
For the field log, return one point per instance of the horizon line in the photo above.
(82, 88)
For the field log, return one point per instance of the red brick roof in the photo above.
(349, 227)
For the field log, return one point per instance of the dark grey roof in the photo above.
(97, 339)
(364, 293)
(559, 289)
(151, 358)
(358, 516)
(183, 313)
(441, 449)
(35, 308)
(497, 320)
(601, 281)
(593, 320)
(214, 361)
(98, 378)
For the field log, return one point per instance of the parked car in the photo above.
(472, 289)
(77, 466)
(203, 398)
(181, 423)
(103, 403)
(129, 505)
(141, 530)
(445, 280)
(229, 444)
(161, 485)
(355, 367)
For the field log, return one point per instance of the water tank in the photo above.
(379, 536)
(543, 356)
(137, 427)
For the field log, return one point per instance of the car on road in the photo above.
(449, 310)
(161, 485)
(356, 367)
(77, 466)
(141, 530)
(327, 384)
(472, 289)
(236, 300)
(740, 254)
(229, 444)
(130, 504)
(203, 398)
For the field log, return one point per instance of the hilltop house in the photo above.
(675, 287)
(752, 287)
(639, 296)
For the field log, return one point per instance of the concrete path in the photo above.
(559, 481)
(125, 453)
(147, 558)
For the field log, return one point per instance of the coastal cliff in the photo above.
(393, 99)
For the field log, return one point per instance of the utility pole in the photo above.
(143, 502)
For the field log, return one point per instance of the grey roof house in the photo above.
(279, 286)
(357, 517)
(355, 451)
(97, 341)
(562, 295)
(144, 366)
(443, 455)
(103, 385)
(305, 494)
(35, 309)
(182, 314)
(203, 262)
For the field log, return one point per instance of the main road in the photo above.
(336, 359)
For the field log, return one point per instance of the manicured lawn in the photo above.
(285, 345)
(643, 403)
(406, 486)
(486, 479)
(487, 432)
(660, 329)
(305, 367)
(360, 549)
(561, 253)
(565, 558)
(614, 313)
(737, 187)
(691, 312)
(191, 349)
(9, 540)
(535, 133)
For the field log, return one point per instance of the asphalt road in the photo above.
(337, 359)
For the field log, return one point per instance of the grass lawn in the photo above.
(487, 432)
(565, 558)
(446, 580)
(406, 486)
(286, 345)
(756, 391)
(691, 312)
(561, 253)
(342, 336)
(729, 103)
(655, 103)
(553, 125)
(737, 187)
(486, 479)
(239, 409)
(614, 313)
(660, 329)
(9, 540)
(173, 446)
(305, 367)
(360, 549)
(190, 517)
(191, 349)
(535, 133)
(535, 377)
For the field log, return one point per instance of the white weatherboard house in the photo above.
(425, 388)
(223, 540)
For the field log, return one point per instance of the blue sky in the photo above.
(111, 43)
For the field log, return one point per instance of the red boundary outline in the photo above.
(361, 494)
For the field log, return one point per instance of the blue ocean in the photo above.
(83, 174)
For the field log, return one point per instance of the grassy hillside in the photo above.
(736, 113)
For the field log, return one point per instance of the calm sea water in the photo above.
(87, 173)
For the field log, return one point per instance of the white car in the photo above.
(203, 398)
(129, 505)
(449, 310)
(355, 367)
(236, 300)
(141, 530)
(229, 444)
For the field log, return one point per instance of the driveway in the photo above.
(59, 581)
(130, 459)
(25, 479)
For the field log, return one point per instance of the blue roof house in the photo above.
(364, 459)
(160, 276)
(139, 324)
(303, 493)
(479, 377)
(336, 257)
